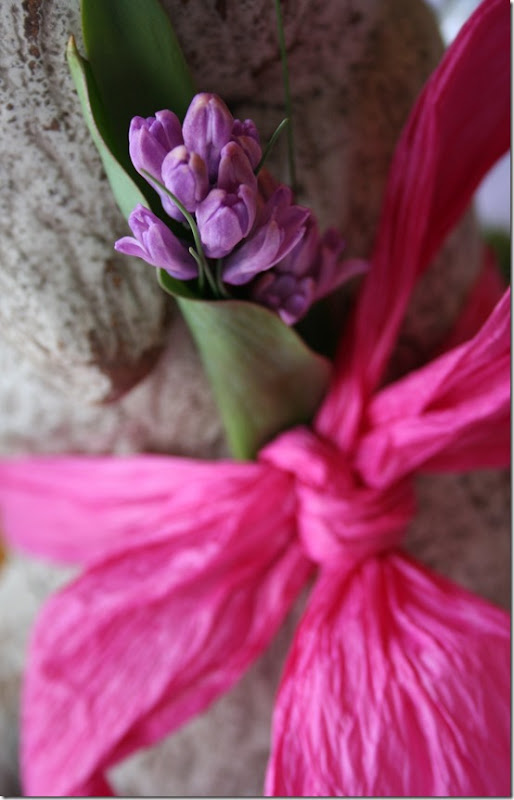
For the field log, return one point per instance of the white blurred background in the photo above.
(493, 200)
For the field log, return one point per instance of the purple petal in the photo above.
(246, 135)
(167, 129)
(235, 169)
(130, 247)
(342, 272)
(330, 271)
(257, 254)
(185, 175)
(286, 294)
(224, 218)
(304, 255)
(157, 245)
(151, 139)
(207, 128)
(297, 304)
(282, 228)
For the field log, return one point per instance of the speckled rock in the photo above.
(78, 311)
(78, 324)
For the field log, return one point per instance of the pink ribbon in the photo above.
(398, 681)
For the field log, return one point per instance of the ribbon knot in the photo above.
(340, 520)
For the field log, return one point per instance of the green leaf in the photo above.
(499, 241)
(125, 191)
(136, 62)
(264, 378)
(175, 287)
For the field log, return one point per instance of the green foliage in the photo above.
(136, 62)
(264, 377)
(499, 241)
(125, 190)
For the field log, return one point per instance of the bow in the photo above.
(397, 682)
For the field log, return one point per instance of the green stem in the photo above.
(181, 207)
(270, 144)
(287, 93)
(211, 281)
(201, 273)
(198, 255)
(219, 280)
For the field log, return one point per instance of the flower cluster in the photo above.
(247, 229)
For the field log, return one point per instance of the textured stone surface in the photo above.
(78, 311)
(172, 409)
(356, 68)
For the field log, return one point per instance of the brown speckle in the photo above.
(111, 269)
(32, 22)
(54, 125)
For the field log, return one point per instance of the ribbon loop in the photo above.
(340, 520)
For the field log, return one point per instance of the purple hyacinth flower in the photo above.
(185, 175)
(151, 139)
(207, 128)
(284, 293)
(280, 227)
(247, 136)
(224, 218)
(227, 214)
(289, 287)
(235, 169)
(303, 256)
(329, 270)
(312, 269)
(156, 244)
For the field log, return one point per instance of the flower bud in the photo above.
(235, 169)
(185, 175)
(280, 227)
(156, 244)
(312, 269)
(246, 135)
(301, 259)
(207, 128)
(284, 293)
(151, 139)
(224, 218)
(330, 271)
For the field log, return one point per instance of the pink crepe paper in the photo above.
(397, 682)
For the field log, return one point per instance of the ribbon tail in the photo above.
(452, 414)
(457, 130)
(155, 631)
(397, 684)
(78, 509)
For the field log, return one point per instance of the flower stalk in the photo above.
(198, 253)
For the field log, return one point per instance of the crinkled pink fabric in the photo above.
(403, 691)
(398, 681)
(459, 127)
(153, 632)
